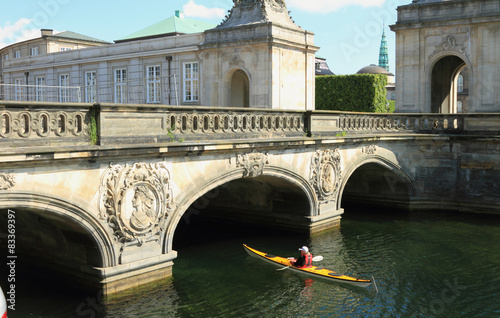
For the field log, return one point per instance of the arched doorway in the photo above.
(239, 90)
(444, 77)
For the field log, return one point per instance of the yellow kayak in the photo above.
(313, 271)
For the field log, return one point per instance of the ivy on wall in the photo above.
(357, 93)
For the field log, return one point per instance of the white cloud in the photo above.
(191, 9)
(327, 6)
(21, 30)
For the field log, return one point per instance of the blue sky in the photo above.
(347, 32)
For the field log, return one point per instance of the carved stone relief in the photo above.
(244, 11)
(136, 200)
(370, 149)
(449, 43)
(235, 60)
(326, 174)
(252, 163)
(7, 181)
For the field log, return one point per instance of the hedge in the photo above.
(358, 93)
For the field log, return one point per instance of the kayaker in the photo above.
(305, 258)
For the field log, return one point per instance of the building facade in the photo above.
(257, 57)
(18, 82)
(447, 56)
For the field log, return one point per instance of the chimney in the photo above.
(179, 14)
(47, 32)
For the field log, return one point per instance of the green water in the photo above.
(431, 265)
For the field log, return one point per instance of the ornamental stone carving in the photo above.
(252, 163)
(449, 43)
(7, 181)
(326, 174)
(370, 149)
(245, 12)
(235, 60)
(136, 200)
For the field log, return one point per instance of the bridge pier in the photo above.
(328, 218)
(125, 276)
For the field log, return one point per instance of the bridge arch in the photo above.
(386, 165)
(191, 196)
(61, 210)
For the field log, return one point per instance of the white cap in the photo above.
(304, 249)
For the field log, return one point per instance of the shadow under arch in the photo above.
(441, 72)
(194, 194)
(61, 210)
(397, 176)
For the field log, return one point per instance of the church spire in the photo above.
(383, 58)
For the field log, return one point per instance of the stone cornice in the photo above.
(457, 12)
(103, 58)
(443, 23)
(265, 32)
(14, 158)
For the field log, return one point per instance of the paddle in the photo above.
(315, 259)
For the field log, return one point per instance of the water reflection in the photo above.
(153, 300)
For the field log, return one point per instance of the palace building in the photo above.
(256, 57)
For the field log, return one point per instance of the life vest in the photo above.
(308, 260)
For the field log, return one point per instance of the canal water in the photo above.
(424, 265)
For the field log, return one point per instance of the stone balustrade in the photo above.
(386, 122)
(127, 124)
(30, 124)
(59, 124)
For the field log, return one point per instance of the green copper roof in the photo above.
(77, 36)
(173, 25)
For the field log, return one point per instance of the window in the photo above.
(17, 54)
(6, 57)
(40, 89)
(191, 86)
(153, 83)
(63, 49)
(64, 88)
(460, 83)
(90, 87)
(120, 86)
(18, 89)
(34, 51)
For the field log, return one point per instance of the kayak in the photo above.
(313, 271)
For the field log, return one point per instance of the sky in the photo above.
(348, 32)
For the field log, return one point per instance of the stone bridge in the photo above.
(97, 191)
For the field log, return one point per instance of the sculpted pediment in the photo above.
(246, 12)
